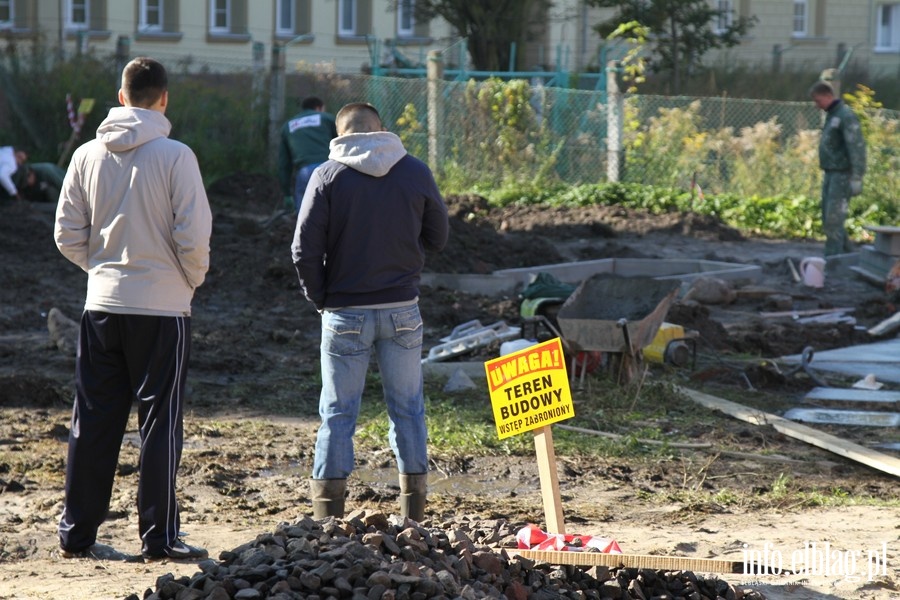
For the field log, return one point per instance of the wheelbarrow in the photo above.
(618, 316)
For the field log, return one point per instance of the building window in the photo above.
(347, 12)
(85, 15)
(293, 18)
(406, 21)
(151, 17)
(228, 20)
(78, 14)
(801, 18)
(220, 16)
(887, 34)
(354, 18)
(7, 14)
(284, 19)
(724, 16)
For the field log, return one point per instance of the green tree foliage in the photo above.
(489, 26)
(683, 31)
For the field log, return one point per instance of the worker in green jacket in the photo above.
(842, 158)
(43, 181)
(304, 145)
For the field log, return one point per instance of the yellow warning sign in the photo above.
(529, 388)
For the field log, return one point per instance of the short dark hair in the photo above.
(312, 103)
(821, 88)
(144, 81)
(358, 117)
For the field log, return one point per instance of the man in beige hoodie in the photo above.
(133, 214)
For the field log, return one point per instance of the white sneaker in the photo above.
(179, 551)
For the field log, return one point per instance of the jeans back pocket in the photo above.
(341, 332)
(408, 327)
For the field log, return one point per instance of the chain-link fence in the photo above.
(494, 132)
(485, 133)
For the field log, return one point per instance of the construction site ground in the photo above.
(255, 347)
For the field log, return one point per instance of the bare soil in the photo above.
(251, 420)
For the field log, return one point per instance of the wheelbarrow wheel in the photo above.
(586, 362)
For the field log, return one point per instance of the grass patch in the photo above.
(462, 425)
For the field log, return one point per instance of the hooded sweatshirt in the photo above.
(133, 213)
(369, 214)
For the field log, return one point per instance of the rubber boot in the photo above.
(413, 488)
(327, 497)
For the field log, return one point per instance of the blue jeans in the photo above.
(348, 337)
(300, 183)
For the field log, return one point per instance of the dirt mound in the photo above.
(251, 417)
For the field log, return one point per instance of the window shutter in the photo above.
(744, 9)
(239, 20)
(820, 18)
(98, 15)
(302, 10)
(24, 14)
(363, 17)
(170, 16)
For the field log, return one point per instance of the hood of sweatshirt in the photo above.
(127, 127)
(370, 153)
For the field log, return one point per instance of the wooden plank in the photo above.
(616, 436)
(546, 460)
(794, 272)
(852, 395)
(889, 325)
(820, 439)
(637, 561)
(804, 313)
(869, 275)
(700, 446)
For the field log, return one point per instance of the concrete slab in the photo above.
(887, 239)
(445, 370)
(879, 359)
(842, 264)
(853, 395)
(509, 281)
(844, 417)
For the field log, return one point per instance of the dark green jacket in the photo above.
(304, 141)
(842, 147)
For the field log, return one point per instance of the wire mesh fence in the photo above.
(493, 132)
(486, 133)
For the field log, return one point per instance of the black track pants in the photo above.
(122, 358)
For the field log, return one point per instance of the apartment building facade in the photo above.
(228, 34)
(348, 35)
(813, 34)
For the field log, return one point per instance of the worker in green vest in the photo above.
(304, 145)
(842, 158)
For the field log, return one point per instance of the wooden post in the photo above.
(546, 460)
(615, 105)
(276, 102)
(435, 78)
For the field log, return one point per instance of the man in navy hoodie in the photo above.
(368, 216)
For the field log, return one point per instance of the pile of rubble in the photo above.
(372, 556)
